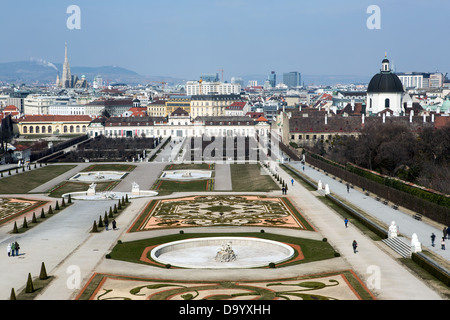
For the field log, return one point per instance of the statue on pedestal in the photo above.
(415, 244)
(91, 190)
(393, 230)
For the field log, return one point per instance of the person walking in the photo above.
(8, 249)
(444, 232)
(114, 224)
(292, 181)
(106, 221)
(16, 247)
(354, 245)
(433, 237)
(443, 244)
(348, 188)
(346, 222)
(448, 232)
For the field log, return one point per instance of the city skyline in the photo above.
(184, 39)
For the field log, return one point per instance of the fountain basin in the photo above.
(84, 195)
(186, 174)
(200, 253)
(98, 176)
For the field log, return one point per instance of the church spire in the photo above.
(66, 75)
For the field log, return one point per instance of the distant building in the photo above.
(208, 87)
(212, 105)
(114, 107)
(239, 108)
(52, 124)
(272, 79)
(178, 101)
(157, 108)
(292, 79)
(385, 92)
(421, 80)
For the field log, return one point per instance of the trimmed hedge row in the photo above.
(432, 268)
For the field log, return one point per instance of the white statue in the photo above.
(135, 189)
(415, 244)
(91, 190)
(319, 186)
(393, 230)
(327, 189)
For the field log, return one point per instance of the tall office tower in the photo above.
(273, 79)
(66, 76)
(292, 79)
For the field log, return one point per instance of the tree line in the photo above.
(421, 157)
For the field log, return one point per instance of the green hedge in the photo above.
(432, 197)
(433, 269)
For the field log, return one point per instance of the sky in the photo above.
(187, 38)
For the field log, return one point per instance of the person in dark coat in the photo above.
(354, 245)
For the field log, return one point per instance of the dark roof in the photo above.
(180, 112)
(385, 82)
(111, 102)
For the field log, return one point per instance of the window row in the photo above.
(49, 129)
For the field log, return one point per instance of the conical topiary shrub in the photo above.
(110, 213)
(126, 198)
(94, 227)
(100, 222)
(34, 220)
(50, 210)
(42, 214)
(115, 208)
(57, 206)
(43, 275)
(15, 229)
(13, 295)
(30, 287)
(63, 202)
(25, 223)
(69, 200)
(119, 206)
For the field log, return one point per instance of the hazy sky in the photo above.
(185, 38)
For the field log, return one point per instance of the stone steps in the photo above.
(399, 245)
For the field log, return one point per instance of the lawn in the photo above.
(29, 180)
(249, 177)
(69, 186)
(183, 186)
(110, 167)
(190, 166)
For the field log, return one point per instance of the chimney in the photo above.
(432, 117)
(384, 117)
(326, 119)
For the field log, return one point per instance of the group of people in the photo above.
(113, 223)
(445, 234)
(13, 249)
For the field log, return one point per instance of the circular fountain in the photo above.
(186, 174)
(222, 253)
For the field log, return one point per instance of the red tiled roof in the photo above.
(21, 147)
(262, 119)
